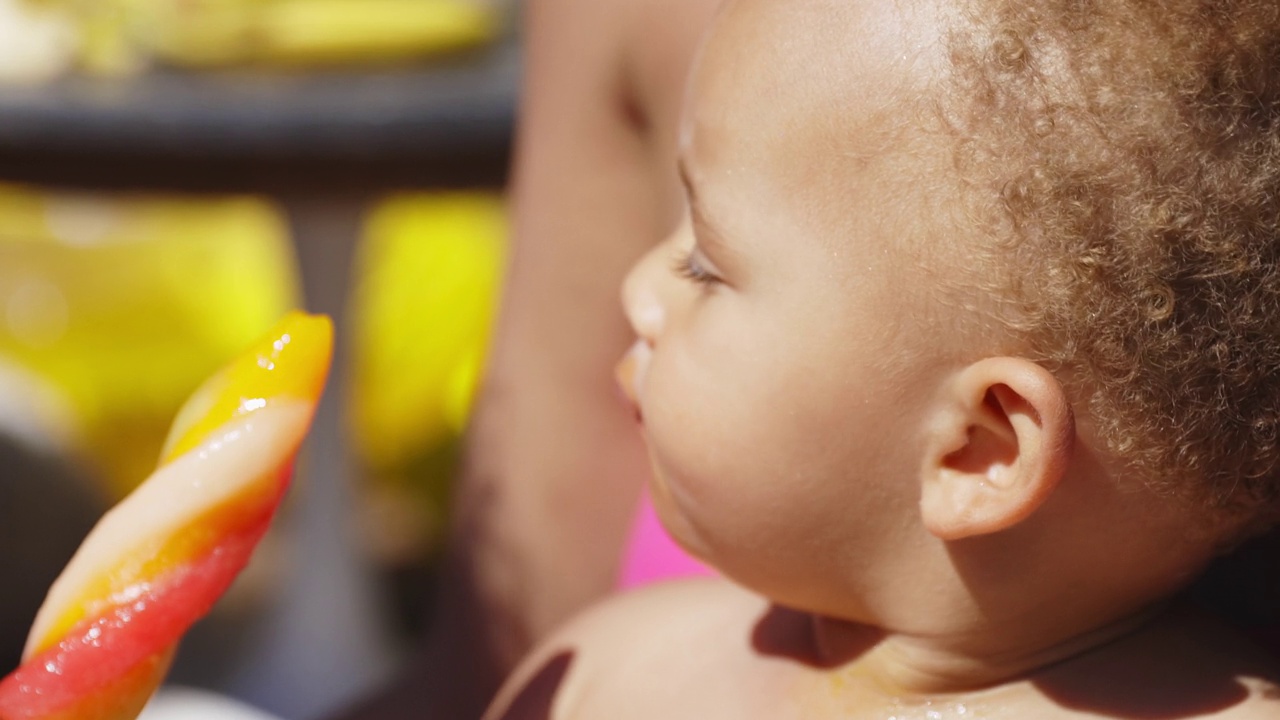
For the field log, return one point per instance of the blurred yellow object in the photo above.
(204, 33)
(99, 37)
(430, 269)
(429, 273)
(106, 47)
(120, 37)
(36, 43)
(125, 304)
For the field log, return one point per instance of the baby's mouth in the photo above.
(630, 373)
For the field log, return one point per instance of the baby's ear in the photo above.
(1001, 443)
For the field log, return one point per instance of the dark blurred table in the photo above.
(324, 146)
(279, 132)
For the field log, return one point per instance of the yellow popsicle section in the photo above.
(289, 363)
(246, 421)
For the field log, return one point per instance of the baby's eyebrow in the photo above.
(710, 238)
(696, 209)
(686, 180)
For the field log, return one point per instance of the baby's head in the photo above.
(977, 308)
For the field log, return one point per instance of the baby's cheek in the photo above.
(718, 402)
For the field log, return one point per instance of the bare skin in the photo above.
(554, 467)
(631, 659)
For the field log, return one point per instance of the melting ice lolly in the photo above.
(157, 562)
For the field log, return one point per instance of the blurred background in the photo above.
(174, 175)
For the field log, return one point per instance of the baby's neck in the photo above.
(906, 665)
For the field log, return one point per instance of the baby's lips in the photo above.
(631, 370)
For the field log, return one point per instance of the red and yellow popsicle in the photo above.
(157, 562)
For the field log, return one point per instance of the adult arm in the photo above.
(554, 463)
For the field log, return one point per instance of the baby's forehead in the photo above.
(814, 91)
(814, 74)
(825, 47)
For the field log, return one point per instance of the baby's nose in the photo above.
(640, 297)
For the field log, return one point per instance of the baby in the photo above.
(964, 365)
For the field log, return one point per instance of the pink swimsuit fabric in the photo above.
(651, 555)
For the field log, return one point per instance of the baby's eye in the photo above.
(690, 267)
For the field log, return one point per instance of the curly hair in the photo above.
(1127, 153)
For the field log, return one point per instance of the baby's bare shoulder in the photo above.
(1185, 665)
(673, 609)
(641, 654)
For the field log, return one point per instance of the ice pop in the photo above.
(158, 561)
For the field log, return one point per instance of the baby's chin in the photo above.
(673, 519)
